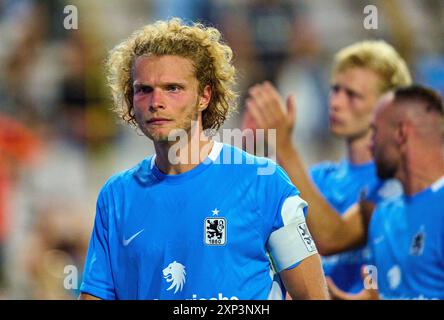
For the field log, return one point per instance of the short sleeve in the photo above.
(290, 241)
(97, 276)
(320, 172)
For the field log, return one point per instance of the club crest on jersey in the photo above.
(418, 241)
(215, 231)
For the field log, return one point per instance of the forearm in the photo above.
(307, 280)
(266, 108)
(331, 232)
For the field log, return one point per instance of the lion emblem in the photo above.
(215, 228)
(175, 273)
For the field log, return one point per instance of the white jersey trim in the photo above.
(292, 209)
(438, 184)
(214, 153)
(215, 150)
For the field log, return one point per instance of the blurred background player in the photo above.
(362, 73)
(406, 232)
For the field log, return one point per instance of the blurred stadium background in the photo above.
(59, 142)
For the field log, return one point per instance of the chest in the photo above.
(189, 222)
(407, 245)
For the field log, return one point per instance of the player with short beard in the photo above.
(167, 230)
(406, 232)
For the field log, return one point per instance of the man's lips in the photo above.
(157, 121)
(334, 120)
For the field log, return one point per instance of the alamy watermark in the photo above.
(371, 19)
(187, 150)
(71, 280)
(71, 20)
(370, 279)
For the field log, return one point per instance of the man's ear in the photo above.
(205, 98)
(402, 131)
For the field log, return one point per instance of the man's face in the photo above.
(384, 147)
(354, 93)
(166, 95)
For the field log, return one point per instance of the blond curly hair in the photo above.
(212, 60)
(378, 56)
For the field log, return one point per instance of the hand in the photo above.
(248, 121)
(364, 294)
(266, 110)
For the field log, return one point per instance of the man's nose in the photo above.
(337, 100)
(156, 100)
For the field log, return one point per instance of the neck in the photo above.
(421, 169)
(358, 151)
(183, 155)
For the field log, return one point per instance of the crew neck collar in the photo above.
(205, 164)
(433, 188)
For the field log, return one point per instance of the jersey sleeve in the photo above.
(97, 276)
(289, 241)
(320, 172)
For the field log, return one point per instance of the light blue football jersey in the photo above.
(203, 234)
(343, 184)
(406, 236)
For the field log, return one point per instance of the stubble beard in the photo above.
(183, 125)
(385, 170)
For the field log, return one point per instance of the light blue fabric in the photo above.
(165, 222)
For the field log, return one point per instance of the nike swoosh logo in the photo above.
(127, 242)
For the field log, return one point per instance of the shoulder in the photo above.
(239, 159)
(266, 172)
(390, 204)
(231, 155)
(267, 167)
(434, 202)
(324, 170)
(123, 179)
(438, 188)
(325, 167)
(384, 191)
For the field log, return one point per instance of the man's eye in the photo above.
(173, 88)
(335, 88)
(143, 89)
(351, 94)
